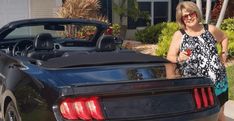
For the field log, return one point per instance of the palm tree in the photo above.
(222, 13)
(208, 10)
(127, 8)
(199, 5)
(85, 9)
(88, 9)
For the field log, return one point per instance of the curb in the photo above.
(229, 110)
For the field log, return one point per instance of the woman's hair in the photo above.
(189, 6)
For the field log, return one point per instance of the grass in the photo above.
(230, 73)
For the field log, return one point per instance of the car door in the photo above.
(2, 78)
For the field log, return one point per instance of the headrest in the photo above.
(44, 41)
(106, 43)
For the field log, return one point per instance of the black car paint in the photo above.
(37, 91)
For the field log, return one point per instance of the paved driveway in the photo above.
(229, 110)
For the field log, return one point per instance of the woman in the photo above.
(194, 48)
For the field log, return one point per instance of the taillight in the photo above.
(197, 98)
(81, 108)
(203, 97)
(210, 95)
(67, 110)
(95, 108)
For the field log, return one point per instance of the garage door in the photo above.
(11, 10)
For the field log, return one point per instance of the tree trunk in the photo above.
(199, 5)
(222, 13)
(123, 31)
(208, 9)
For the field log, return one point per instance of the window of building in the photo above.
(106, 9)
(158, 10)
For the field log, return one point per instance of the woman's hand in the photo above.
(183, 56)
(223, 58)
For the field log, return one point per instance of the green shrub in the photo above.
(230, 36)
(168, 29)
(230, 71)
(228, 27)
(150, 34)
(228, 24)
(116, 30)
(164, 39)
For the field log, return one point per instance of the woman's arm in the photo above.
(174, 48)
(222, 39)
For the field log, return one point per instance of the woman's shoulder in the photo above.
(179, 33)
(212, 28)
(216, 32)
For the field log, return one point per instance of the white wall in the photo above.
(44, 8)
(11, 10)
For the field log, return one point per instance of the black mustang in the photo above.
(68, 69)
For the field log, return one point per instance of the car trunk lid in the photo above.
(140, 99)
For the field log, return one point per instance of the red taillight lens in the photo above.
(210, 95)
(81, 108)
(67, 109)
(203, 97)
(94, 107)
(197, 98)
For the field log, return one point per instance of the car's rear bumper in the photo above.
(213, 117)
(207, 115)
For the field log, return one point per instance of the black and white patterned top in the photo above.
(204, 59)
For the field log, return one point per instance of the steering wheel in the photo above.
(22, 47)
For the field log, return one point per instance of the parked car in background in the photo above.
(58, 69)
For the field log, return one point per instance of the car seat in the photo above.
(43, 47)
(106, 43)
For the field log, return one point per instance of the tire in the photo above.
(11, 113)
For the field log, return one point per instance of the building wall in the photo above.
(44, 8)
(11, 10)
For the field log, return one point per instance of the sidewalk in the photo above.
(229, 110)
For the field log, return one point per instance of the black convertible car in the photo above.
(58, 69)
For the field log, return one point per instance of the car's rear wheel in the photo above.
(11, 113)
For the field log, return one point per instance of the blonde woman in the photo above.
(194, 48)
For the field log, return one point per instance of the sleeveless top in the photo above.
(204, 59)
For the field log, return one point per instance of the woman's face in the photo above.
(189, 18)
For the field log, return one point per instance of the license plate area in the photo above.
(159, 105)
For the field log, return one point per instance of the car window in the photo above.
(79, 32)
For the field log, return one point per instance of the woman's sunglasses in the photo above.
(191, 15)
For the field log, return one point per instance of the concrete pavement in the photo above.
(229, 110)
